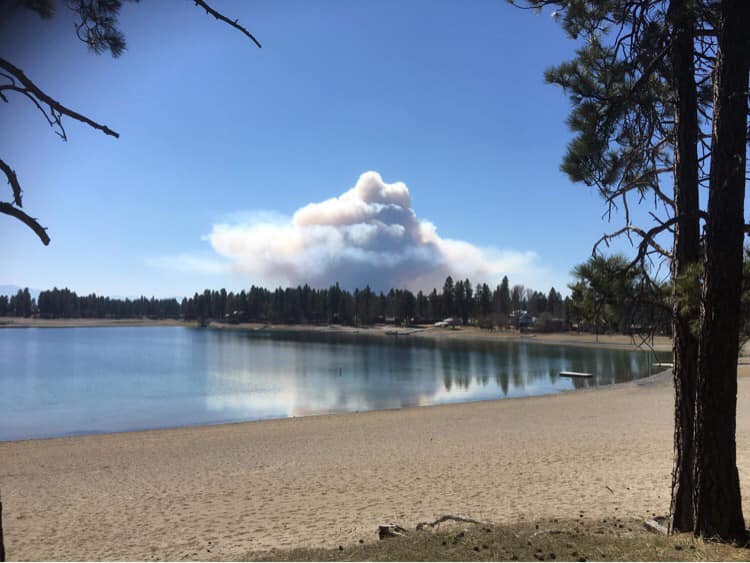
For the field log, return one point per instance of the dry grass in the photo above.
(581, 540)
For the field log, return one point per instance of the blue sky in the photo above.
(446, 97)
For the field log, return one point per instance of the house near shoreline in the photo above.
(521, 319)
(449, 322)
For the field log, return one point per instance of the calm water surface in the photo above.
(59, 382)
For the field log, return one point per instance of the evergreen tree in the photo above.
(484, 301)
(602, 295)
(718, 501)
(517, 298)
(448, 304)
(641, 92)
(554, 303)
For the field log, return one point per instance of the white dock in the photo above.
(575, 374)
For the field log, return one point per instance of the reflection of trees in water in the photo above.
(484, 358)
(457, 366)
(215, 376)
(581, 382)
(386, 373)
(515, 366)
(447, 381)
(501, 378)
(610, 366)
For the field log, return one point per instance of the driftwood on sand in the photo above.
(445, 518)
(656, 526)
(390, 531)
(394, 530)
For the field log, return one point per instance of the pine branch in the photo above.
(221, 17)
(53, 111)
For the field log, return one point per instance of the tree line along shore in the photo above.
(605, 297)
(599, 301)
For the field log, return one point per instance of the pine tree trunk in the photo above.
(686, 252)
(2, 544)
(718, 504)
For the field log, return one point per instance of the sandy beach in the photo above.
(219, 492)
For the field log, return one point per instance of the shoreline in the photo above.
(663, 378)
(223, 491)
(611, 341)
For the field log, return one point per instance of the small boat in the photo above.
(575, 374)
(663, 365)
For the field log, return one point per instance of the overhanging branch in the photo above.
(647, 240)
(57, 110)
(644, 181)
(33, 224)
(13, 79)
(221, 17)
(13, 181)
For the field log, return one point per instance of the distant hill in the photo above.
(13, 289)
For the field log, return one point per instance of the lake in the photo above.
(69, 381)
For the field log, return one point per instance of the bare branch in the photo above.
(9, 209)
(221, 17)
(645, 180)
(647, 240)
(13, 181)
(99, 34)
(56, 108)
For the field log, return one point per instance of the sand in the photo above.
(219, 492)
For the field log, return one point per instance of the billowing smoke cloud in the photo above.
(368, 235)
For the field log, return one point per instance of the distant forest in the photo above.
(459, 300)
(505, 305)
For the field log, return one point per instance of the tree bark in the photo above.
(718, 504)
(2, 544)
(686, 251)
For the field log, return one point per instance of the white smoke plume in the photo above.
(369, 235)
